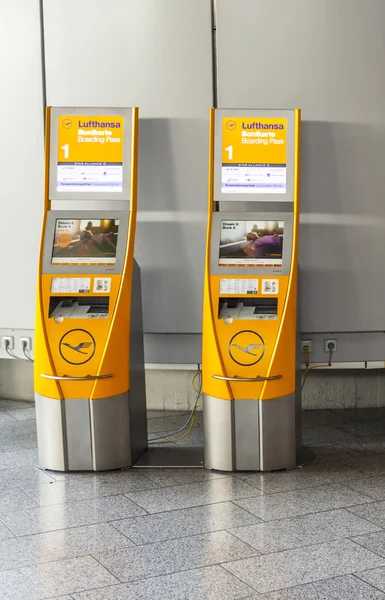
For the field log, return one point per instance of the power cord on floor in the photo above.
(190, 421)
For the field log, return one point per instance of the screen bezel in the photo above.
(49, 237)
(53, 155)
(257, 269)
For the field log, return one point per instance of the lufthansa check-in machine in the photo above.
(249, 356)
(89, 364)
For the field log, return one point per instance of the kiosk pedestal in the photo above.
(249, 356)
(89, 361)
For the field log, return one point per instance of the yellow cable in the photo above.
(313, 367)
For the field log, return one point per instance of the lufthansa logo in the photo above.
(246, 348)
(67, 123)
(231, 125)
(77, 346)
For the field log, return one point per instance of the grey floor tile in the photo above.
(367, 427)
(18, 458)
(373, 541)
(60, 545)
(274, 536)
(375, 577)
(162, 425)
(346, 587)
(23, 477)
(360, 414)
(52, 579)
(180, 420)
(194, 494)
(72, 514)
(371, 486)
(14, 404)
(168, 477)
(281, 570)
(373, 512)
(335, 453)
(5, 533)
(5, 418)
(23, 414)
(188, 521)
(208, 583)
(326, 434)
(369, 465)
(18, 435)
(88, 487)
(368, 444)
(172, 556)
(308, 476)
(299, 502)
(13, 499)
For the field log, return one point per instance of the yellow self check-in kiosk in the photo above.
(249, 355)
(89, 361)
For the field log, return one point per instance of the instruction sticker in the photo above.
(238, 286)
(102, 285)
(269, 286)
(70, 285)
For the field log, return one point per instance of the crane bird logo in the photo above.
(77, 346)
(80, 347)
(250, 349)
(246, 348)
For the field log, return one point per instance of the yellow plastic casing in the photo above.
(279, 336)
(111, 335)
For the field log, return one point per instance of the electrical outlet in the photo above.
(11, 342)
(26, 343)
(334, 348)
(306, 344)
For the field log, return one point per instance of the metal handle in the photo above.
(247, 378)
(66, 378)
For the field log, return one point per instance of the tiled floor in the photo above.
(308, 534)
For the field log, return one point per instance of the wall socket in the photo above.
(11, 341)
(26, 342)
(326, 345)
(306, 343)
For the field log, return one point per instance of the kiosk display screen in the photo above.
(90, 153)
(84, 242)
(251, 243)
(254, 155)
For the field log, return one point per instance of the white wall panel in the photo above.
(155, 54)
(21, 160)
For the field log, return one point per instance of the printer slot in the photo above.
(248, 309)
(68, 307)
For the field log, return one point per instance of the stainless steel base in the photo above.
(84, 435)
(250, 435)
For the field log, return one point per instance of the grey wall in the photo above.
(21, 160)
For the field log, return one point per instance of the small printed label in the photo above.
(70, 285)
(238, 286)
(269, 286)
(102, 285)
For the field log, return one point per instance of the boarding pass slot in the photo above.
(248, 309)
(67, 307)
